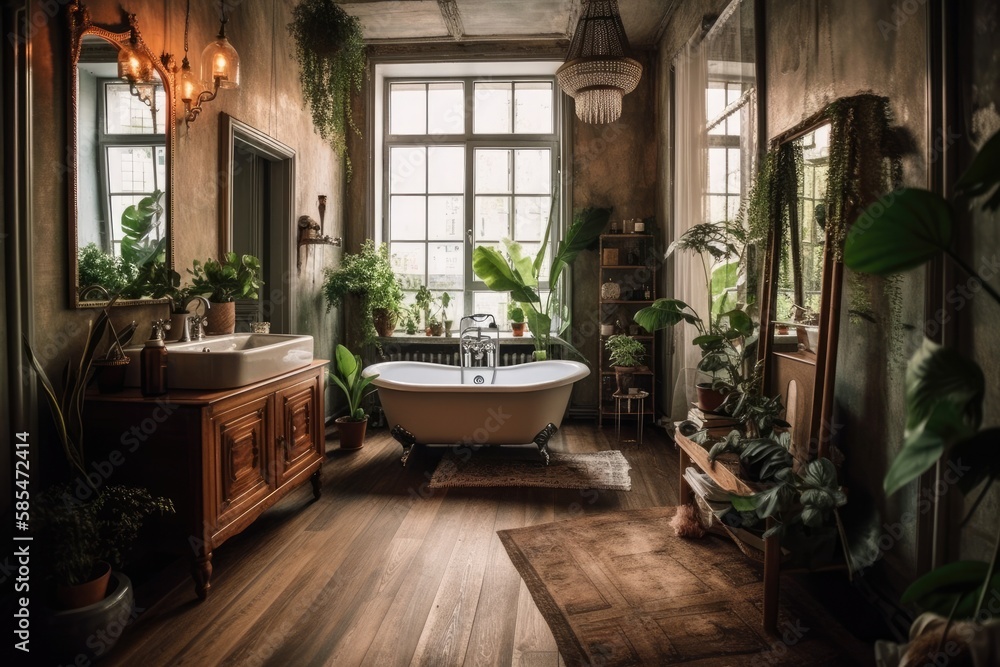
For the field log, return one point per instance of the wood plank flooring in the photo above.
(382, 570)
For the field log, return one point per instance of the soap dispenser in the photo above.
(154, 363)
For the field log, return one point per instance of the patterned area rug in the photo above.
(621, 589)
(597, 470)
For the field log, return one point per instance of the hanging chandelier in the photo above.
(597, 73)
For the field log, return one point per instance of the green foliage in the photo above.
(367, 275)
(624, 350)
(71, 535)
(236, 277)
(944, 390)
(141, 224)
(765, 457)
(330, 49)
(347, 375)
(518, 274)
(811, 498)
(514, 312)
(96, 267)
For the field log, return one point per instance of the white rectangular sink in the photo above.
(226, 362)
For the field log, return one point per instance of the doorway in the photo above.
(257, 217)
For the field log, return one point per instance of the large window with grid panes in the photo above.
(467, 162)
(131, 137)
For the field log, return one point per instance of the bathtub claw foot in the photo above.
(542, 440)
(406, 439)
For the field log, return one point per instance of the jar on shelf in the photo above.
(610, 290)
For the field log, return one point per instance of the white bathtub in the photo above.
(428, 404)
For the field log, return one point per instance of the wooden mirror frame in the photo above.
(81, 26)
(860, 158)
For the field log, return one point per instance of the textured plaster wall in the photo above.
(614, 166)
(842, 49)
(269, 99)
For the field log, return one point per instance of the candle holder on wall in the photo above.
(309, 235)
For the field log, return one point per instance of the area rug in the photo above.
(596, 470)
(621, 589)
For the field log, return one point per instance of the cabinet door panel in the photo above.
(241, 459)
(299, 438)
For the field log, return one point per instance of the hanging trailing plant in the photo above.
(331, 54)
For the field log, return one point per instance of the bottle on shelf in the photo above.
(153, 369)
(647, 293)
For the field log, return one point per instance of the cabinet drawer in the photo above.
(299, 429)
(240, 459)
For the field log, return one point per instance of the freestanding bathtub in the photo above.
(428, 403)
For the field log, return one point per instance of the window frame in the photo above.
(473, 141)
(106, 141)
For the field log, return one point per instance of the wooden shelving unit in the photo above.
(629, 262)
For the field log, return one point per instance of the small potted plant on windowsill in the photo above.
(347, 376)
(236, 277)
(625, 354)
(516, 316)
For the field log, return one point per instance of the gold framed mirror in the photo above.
(120, 161)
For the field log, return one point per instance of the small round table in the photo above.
(640, 398)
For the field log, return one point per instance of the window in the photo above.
(133, 154)
(467, 162)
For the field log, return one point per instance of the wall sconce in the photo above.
(309, 234)
(220, 64)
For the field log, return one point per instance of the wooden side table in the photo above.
(640, 398)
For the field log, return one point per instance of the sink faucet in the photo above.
(196, 323)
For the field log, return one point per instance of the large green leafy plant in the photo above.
(944, 389)
(347, 375)
(236, 277)
(330, 49)
(519, 275)
(722, 336)
(367, 275)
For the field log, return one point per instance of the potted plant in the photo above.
(519, 274)
(367, 276)
(723, 333)
(433, 309)
(944, 391)
(446, 322)
(329, 47)
(347, 375)
(516, 316)
(625, 354)
(236, 277)
(72, 534)
(96, 267)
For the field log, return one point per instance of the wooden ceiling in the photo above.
(400, 21)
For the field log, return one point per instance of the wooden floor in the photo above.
(382, 570)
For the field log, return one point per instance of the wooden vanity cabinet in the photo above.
(223, 457)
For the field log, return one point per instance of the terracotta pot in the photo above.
(435, 329)
(384, 321)
(110, 374)
(87, 593)
(352, 433)
(625, 377)
(517, 328)
(709, 399)
(221, 318)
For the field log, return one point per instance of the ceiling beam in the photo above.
(452, 18)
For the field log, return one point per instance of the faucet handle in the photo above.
(198, 326)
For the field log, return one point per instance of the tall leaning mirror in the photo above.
(121, 149)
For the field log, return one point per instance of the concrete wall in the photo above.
(269, 99)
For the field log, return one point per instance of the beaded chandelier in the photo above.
(597, 73)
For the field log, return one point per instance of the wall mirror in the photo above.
(803, 288)
(120, 157)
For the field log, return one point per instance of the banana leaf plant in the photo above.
(347, 376)
(519, 275)
(944, 390)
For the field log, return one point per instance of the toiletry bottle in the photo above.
(647, 294)
(154, 366)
